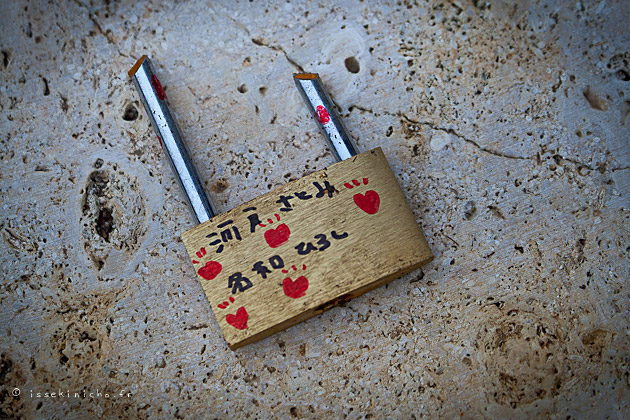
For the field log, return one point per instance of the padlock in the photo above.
(300, 249)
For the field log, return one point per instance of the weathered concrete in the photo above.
(505, 122)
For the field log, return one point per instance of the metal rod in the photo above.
(323, 108)
(154, 100)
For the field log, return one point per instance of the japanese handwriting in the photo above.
(226, 235)
(305, 248)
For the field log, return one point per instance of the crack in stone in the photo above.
(560, 158)
(435, 127)
(474, 143)
(95, 22)
(261, 43)
(448, 130)
(360, 108)
(107, 35)
(601, 168)
(202, 99)
(467, 140)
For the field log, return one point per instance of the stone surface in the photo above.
(524, 311)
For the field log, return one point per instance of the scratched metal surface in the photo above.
(506, 124)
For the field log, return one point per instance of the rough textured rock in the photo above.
(506, 123)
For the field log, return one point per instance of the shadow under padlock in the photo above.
(297, 251)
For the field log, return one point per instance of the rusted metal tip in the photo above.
(306, 76)
(136, 66)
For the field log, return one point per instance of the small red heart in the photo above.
(210, 270)
(278, 236)
(238, 321)
(295, 289)
(369, 202)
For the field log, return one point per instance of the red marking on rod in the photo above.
(322, 115)
(159, 91)
(355, 182)
(231, 299)
(160, 140)
(348, 185)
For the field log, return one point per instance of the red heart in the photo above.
(210, 270)
(369, 202)
(238, 321)
(295, 289)
(278, 236)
